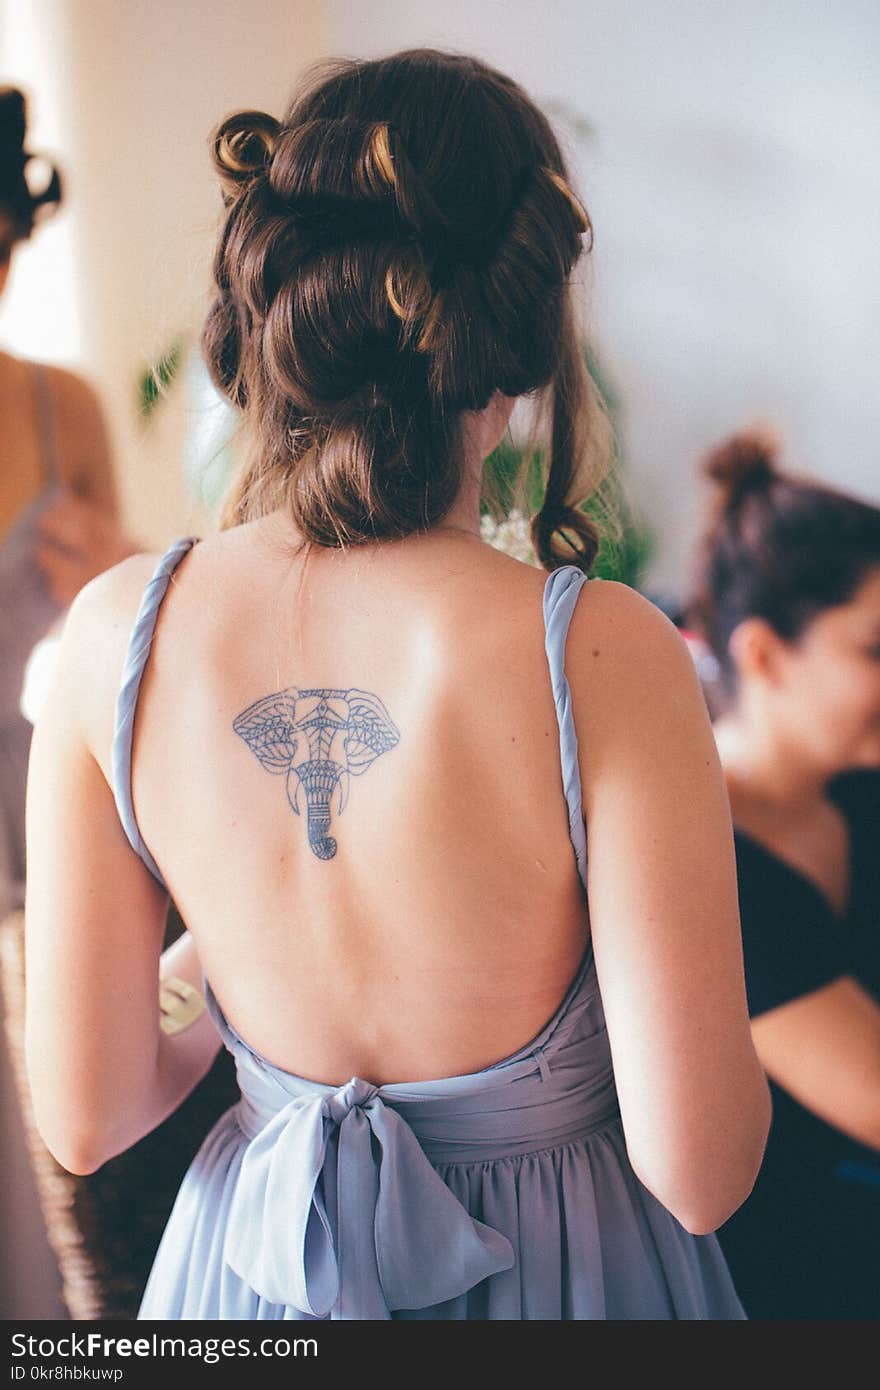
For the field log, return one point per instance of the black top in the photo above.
(806, 1243)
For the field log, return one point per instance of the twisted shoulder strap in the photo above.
(560, 596)
(126, 701)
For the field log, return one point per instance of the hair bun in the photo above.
(12, 119)
(552, 531)
(745, 462)
(242, 148)
(25, 197)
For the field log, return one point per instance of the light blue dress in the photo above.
(506, 1193)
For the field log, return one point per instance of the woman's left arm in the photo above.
(102, 1071)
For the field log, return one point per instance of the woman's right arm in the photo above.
(663, 907)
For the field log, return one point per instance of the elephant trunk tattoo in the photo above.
(336, 733)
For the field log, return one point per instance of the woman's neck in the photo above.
(763, 769)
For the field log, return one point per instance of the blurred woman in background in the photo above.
(393, 272)
(58, 529)
(58, 500)
(788, 599)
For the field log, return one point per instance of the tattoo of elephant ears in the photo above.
(317, 740)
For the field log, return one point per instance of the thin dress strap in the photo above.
(126, 701)
(48, 423)
(560, 596)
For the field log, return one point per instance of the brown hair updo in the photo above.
(395, 251)
(776, 546)
(19, 205)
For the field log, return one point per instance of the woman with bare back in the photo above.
(448, 831)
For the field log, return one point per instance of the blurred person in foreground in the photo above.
(59, 527)
(356, 771)
(59, 522)
(787, 599)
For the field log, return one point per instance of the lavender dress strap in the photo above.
(560, 596)
(126, 702)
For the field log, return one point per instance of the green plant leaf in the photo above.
(155, 378)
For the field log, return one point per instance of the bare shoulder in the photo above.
(76, 400)
(634, 688)
(112, 598)
(102, 615)
(71, 388)
(14, 369)
(617, 624)
(95, 644)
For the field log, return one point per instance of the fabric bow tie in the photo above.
(387, 1234)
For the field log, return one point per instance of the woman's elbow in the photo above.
(79, 1154)
(82, 1165)
(706, 1218)
(77, 1145)
(704, 1188)
(702, 1210)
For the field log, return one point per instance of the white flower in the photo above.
(511, 535)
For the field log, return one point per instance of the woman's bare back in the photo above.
(446, 926)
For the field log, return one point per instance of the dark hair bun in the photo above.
(12, 121)
(242, 148)
(395, 252)
(746, 462)
(775, 546)
(18, 200)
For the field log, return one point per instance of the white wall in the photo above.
(734, 185)
(41, 313)
(125, 93)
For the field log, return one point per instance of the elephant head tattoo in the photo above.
(317, 739)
